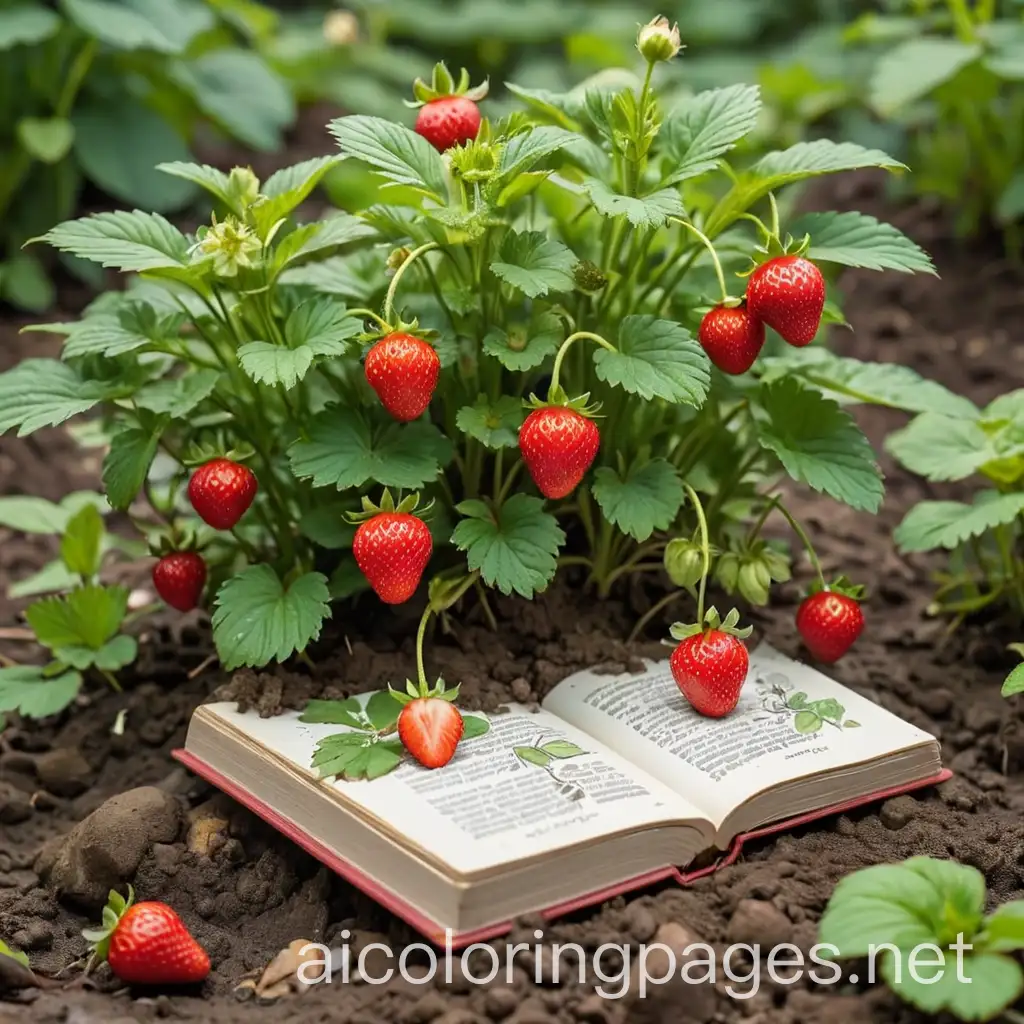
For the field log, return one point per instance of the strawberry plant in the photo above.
(97, 92)
(81, 621)
(498, 371)
(925, 922)
(948, 74)
(983, 536)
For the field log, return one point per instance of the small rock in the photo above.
(531, 1011)
(980, 719)
(105, 850)
(500, 1001)
(459, 1016)
(521, 690)
(64, 772)
(897, 812)
(15, 805)
(428, 1007)
(640, 922)
(167, 858)
(758, 923)
(593, 1010)
(35, 935)
(681, 1000)
(936, 703)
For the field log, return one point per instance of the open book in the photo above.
(615, 783)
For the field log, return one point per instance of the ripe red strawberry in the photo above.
(710, 669)
(403, 370)
(147, 944)
(179, 579)
(558, 446)
(829, 624)
(221, 491)
(430, 729)
(392, 550)
(448, 121)
(732, 338)
(788, 294)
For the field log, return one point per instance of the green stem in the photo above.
(566, 345)
(421, 673)
(962, 21)
(804, 539)
(389, 301)
(369, 313)
(111, 679)
(706, 242)
(651, 612)
(76, 75)
(775, 214)
(705, 551)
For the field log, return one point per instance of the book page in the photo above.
(791, 722)
(531, 785)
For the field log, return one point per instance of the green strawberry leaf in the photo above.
(44, 393)
(656, 359)
(113, 655)
(561, 749)
(948, 524)
(939, 447)
(336, 712)
(81, 547)
(1014, 682)
(288, 188)
(132, 326)
(852, 381)
(213, 180)
(394, 151)
(1004, 929)
(87, 617)
(383, 710)
(701, 129)
(257, 620)
(177, 398)
(25, 25)
(535, 263)
(820, 445)
(526, 149)
(345, 451)
(914, 68)
(314, 238)
(28, 690)
(133, 241)
(127, 463)
(645, 212)
(274, 364)
(807, 721)
(515, 548)
(494, 426)
(524, 346)
(532, 755)
(858, 240)
(810, 159)
(646, 499)
(37, 515)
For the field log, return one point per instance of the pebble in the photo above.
(15, 806)
(757, 922)
(897, 812)
(936, 703)
(64, 772)
(521, 690)
(105, 849)
(428, 1007)
(640, 922)
(980, 719)
(593, 1010)
(500, 1001)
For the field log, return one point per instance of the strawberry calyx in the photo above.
(712, 621)
(99, 938)
(419, 691)
(558, 398)
(409, 505)
(772, 248)
(173, 541)
(841, 585)
(442, 85)
(199, 453)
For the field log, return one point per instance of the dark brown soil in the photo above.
(255, 892)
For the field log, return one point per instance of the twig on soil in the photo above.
(17, 633)
(202, 666)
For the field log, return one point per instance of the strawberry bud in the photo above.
(658, 41)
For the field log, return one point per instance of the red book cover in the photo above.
(437, 934)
